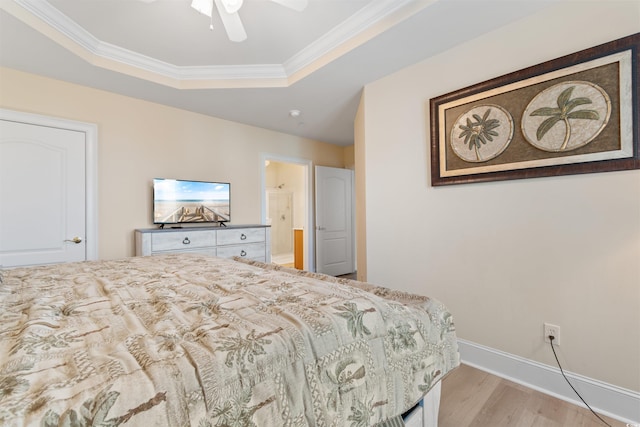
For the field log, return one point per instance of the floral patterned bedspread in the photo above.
(191, 340)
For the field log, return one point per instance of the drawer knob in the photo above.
(243, 236)
(186, 241)
(243, 253)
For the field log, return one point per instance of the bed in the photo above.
(193, 340)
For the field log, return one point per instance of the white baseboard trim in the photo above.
(606, 399)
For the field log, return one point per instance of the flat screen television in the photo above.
(178, 201)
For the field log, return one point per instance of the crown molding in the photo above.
(373, 19)
(376, 17)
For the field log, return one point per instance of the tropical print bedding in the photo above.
(191, 340)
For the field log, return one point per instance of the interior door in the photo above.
(334, 221)
(42, 194)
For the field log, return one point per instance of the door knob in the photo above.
(75, 240)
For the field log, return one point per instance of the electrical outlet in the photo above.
(554, 330)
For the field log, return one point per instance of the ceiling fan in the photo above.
(228, 11)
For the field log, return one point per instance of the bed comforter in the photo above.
(191, 340)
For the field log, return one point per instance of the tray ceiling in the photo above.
(316, 61)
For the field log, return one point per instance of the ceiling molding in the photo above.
(375, 18)
(368, 16)
(358, 29)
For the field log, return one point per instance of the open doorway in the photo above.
(286, 206)
(280, 213)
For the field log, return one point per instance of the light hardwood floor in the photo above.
(471, 397)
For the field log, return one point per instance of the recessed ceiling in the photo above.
(175, 33)
(316, 61)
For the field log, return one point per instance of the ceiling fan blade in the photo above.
(297, 5)
(232, 23)
(205, 7)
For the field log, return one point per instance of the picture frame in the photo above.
(571, 115)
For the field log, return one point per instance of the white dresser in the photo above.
(247, 241)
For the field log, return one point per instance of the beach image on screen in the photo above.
(178, 201)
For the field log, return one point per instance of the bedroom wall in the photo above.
(140, 140)
(507, 256)
(361, 191)
(349, 157)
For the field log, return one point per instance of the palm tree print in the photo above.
(428, 380)
(563, 112)
(93, 412)
(12, 385)
(401, 337)
(445, 320)
(240, 349)
(362, 412)
(172, 341)
(355, 318)
(32, 342)
(210, 307)
(360, 415)
(236, 412)
(345, 377)
(479, 132)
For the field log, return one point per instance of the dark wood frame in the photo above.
(630, 43)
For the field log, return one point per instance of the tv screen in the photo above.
(179, 201)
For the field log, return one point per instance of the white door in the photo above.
(42, 194)
(334, 221)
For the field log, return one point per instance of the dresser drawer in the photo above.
(211, 251)
(251, 251)
(178, 240)
(247, 241)
(236, 236)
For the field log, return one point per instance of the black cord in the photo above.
(551, 337)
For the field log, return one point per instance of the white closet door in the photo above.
(42, 194)
(334, 221)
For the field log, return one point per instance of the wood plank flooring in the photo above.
(474, 398)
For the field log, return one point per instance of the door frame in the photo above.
(310, 252)
(90, 131)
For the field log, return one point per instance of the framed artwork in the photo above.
(575, 114)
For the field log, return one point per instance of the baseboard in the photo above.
(606, 399)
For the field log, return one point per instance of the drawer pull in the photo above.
(243, 253)
(243, 236)
(186, 241)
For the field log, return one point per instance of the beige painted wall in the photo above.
(507, 256)
(349, 157)
(361, 191)
(139, 140)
